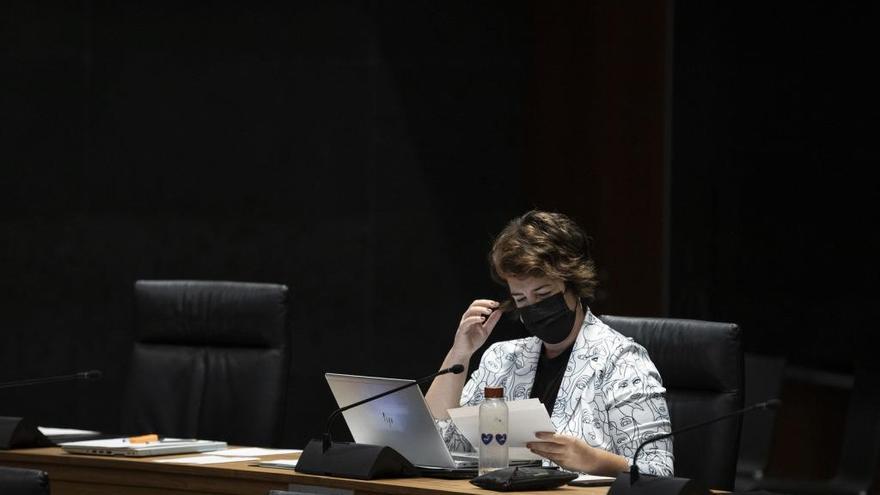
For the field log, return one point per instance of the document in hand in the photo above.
(525, 418)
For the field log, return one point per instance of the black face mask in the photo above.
(550, 319)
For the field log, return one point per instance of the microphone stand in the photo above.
(626, 482)
(634, 470)
(362, 461)
(82, 375)
(327, 440)
(16, 433)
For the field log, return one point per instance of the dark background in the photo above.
(365, 152)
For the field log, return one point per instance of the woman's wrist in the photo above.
(599, 462)
(611, 464)
(458, 356)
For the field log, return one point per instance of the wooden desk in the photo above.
(71, 474)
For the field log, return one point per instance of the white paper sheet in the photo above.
(45, 430)
(279, 463)
(253, 452)
(591, 480)
(525, 418)
(205, 459)
(592, 477)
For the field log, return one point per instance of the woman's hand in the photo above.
(575, 454)
(475, 326)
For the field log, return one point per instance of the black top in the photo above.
(548, 377)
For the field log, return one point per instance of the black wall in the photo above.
(362, 153)
(773, 215)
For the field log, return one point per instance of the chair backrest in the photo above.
(210, 361)
(859, 465)
(17, 481)
(701, 364)
(763, 381)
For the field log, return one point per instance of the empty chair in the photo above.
(210, 361)
(858, 471)
(763, 375)
(701, 364)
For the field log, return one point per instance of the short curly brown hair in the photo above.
(544, 244)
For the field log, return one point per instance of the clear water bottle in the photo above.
(493, 431)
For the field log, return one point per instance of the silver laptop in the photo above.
(400, 420)
(122, 447)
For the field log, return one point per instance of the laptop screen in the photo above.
(400, 420)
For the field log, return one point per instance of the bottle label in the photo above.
(500, 438)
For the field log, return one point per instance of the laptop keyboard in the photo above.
(472, 459)
(464, 460)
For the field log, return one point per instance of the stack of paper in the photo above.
(233, 455)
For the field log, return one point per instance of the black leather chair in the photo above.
(17, 481)
(210, 361)
(858, 470)
(701, 364)
(764, 378)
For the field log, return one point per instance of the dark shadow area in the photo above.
(772, 218)
(772, 212)
(341, 148)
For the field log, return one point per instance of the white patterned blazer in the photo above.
(611, 394)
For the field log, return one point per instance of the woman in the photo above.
(602, 391)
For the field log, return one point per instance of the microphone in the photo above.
(625, 481)
(82, 375)
(352, 460)
(634, 471)
(17, 433)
